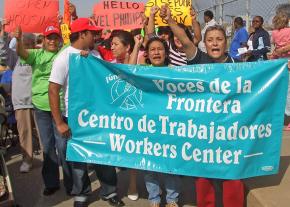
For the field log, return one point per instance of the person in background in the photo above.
(39, 41)
(240, 38)
(280, 36)
(281, 41)
(209, 21)
(22, 104)
(259, 41)
(41, 62)
(176, 52)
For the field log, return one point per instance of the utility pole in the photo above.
(221, 8)
(248, 16)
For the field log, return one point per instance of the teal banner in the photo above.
(212, 120)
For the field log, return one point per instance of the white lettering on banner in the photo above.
(181, 87)
(213, 132)
(202, 105)
(210, 156)
(145, 147)
(104, 121)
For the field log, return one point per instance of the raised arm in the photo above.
(151, 21)
(134, 55)
(196, 27)
(21, 51)
(188, 46)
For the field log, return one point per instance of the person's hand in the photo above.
(59, 18)
(193, 15)
(63, 130)
(18, 33)
(84, 53)
(278, 51)
(270, 56)
(154, 10)
(3, 23)
(165, 12)
(72, 10)
(138, 40)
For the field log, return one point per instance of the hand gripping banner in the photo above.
(212, 120)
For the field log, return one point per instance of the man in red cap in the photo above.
(82, 38)
(41, 62)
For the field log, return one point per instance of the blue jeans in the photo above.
(82, 186)
(172, 186)
(61, 145)
(50, 171)
(50, 142)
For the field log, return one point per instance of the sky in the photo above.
(84, 7)
(265, 8)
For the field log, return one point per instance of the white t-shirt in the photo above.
(59, 73)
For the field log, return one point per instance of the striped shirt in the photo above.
(177, 58)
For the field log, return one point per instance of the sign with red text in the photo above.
(32, 15)
(180, 11)
(111, 14)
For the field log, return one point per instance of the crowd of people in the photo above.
(38, 71)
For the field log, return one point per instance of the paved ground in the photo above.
(270, 191)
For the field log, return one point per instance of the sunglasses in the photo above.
(52, 37)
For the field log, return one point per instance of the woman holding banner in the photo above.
(157, 52)
(215, 42)
(122, 46)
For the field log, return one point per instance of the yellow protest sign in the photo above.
(65, 33)
(180, 11)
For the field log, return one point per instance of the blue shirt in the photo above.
(240, 36)
(6, 77)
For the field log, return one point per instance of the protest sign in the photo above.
(212, 120)
(180, 11)
(66, 13)
(124, 15)
(65, 32)
(32, 15)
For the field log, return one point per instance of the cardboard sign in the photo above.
(180, 11)
(66, 13)
(124, 15)
(32, 15)
(65, 32)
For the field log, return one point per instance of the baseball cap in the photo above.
(51, 30)
(82, 24)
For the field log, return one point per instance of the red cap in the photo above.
(82, 24)
(51, 30)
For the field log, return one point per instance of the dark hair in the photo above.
(75, 36)
(39, 39)
(125, 37)
(261, 19)
(164, 30)
(239, 21)
(166, 48)
(208, 13)
(135, 32)
(216, 27)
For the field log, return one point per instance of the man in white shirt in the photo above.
(83, 36)
(209, 22)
